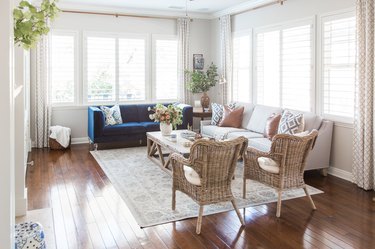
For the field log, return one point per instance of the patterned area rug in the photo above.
(147, 189)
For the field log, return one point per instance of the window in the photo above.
(101, 69)
(284, 67)
(132, 69)
(63, 74)
(115, 68)
(241, 68)
(339, 65)
(165, 68)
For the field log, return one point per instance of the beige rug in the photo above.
(147, 190)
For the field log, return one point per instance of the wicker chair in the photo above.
(213, 163)
(281, 168)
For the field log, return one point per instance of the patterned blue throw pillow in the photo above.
(112, 115)
(291, 123)
(218, 112)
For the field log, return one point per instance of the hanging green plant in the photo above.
(30, 23)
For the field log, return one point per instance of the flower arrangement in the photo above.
(170, 114)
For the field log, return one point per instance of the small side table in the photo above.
(199, 113)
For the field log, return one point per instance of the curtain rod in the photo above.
(281, 2)
(118, 15)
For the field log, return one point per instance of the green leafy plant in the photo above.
(30, 23)
(202, 81)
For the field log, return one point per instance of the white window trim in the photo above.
(246, 32)
(285, 25)
(77, 91)
(345, 13)
(153, 61)
(117, 36)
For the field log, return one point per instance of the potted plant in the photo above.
(168, 116)
(30, 23)
(201, 82)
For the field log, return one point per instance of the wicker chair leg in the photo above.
(308, 196)
(244, 188)
(278, 211)
(199, 221)
(173, 199)
(238, 212)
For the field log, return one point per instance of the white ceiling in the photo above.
(196, 8)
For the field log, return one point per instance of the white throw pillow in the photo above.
(112, 115)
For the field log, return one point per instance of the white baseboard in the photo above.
(341, 173)
(80, 140)
(21, 205)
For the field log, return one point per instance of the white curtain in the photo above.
(363, 158)
(226, 57)
(183, 32)
(42, 108)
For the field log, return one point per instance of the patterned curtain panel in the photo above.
(226, 57)
(42, 109)
(183, 33)
(363, 159)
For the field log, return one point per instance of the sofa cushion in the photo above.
(248, 111)
(232, 118)
(112, 115)
(218, 112)
(218, 132)
(259, 117)
(312, 121)
(151, 126)
(247, 134)
(291, 123)
(124, 129)
(129, 113)
(262, 144)
(272, 126)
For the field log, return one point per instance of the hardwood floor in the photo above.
(88, 213)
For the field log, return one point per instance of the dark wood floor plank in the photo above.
(89, 213)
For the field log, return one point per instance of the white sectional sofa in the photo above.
(253, 126)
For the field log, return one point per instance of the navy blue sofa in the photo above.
(132, 132)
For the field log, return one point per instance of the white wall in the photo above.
(6, 126)
(76, 117)
(341, 154)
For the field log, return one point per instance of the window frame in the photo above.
(154, 38)
(77, 92)
(336, 15)
(279, 27)
(247, 32)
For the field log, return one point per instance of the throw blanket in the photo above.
(60, 134)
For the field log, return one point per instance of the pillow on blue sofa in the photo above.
(112, 115)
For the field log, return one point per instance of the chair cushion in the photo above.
(247, 134)
(192, 176)
(262, 144)
(259, 117)
(124, 129)
(269, 165)
(218, 132)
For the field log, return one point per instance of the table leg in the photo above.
(161, 157)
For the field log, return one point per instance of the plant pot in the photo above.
(166, 129)
(205, 101)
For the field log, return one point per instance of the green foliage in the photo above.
(31, 23)
(202, 81)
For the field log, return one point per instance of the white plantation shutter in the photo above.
(268, 68)
(241, 68)
(296, 68)
(284, 67)
(339, 63)
(165, 52)
(63, 68)
(101, 69)
(132, 69)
